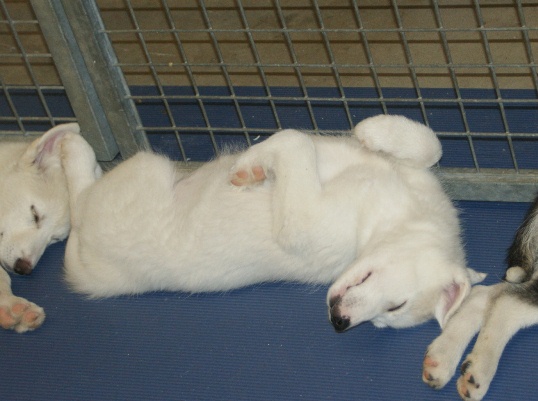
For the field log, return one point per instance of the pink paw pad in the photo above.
(427, 376)
(429, 362)
(244, 177)
(31, 318)
(18, 309)
(6, 320)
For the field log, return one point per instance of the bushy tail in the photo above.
(406, 140)
(523, 253)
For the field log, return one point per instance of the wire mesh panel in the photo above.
(212, 74)
(32, 97)
(71, 82)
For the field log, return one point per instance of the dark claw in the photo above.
(465, 366)
(333, 301)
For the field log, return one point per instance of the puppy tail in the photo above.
(406, 140)
(523, 253)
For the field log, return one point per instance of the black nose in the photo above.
(340, 323)
(22, 267)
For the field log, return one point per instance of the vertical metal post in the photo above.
(96, 88)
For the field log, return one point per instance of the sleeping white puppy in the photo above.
(34, 213)
(363, 210)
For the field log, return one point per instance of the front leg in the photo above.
(288, 160)
(80, 167)
(506, 314)
(17, 313)
(445, 352)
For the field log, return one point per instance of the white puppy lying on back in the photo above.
(362, 210)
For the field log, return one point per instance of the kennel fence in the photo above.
(191, 77)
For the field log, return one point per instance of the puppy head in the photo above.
(395, 292)
(34, 202)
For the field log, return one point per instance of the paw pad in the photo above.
(19, 315)
(245, 177)
(6, 320)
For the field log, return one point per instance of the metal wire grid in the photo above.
(26, 71)
(304, 45)
(210, 29)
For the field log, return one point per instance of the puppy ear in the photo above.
(451, 298)
(44, 152)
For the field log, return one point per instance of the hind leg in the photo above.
(17, 313)
(288, 160)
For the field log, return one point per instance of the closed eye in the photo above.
(361, 281)
(397, 307)
(36, 215)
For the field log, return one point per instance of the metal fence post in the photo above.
(96, 88)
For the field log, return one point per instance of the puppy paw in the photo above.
(19, 314)
(438, 367)
(248, 176)
(474, 380)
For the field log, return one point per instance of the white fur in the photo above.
(327, 208)
(34, 213)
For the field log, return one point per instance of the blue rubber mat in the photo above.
(266, 342)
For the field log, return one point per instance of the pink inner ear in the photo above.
(451, 295)
(48, 147)
(453, 291)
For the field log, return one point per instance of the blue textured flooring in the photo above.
(266, 342)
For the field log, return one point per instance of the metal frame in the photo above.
(103, 72)
(12, 27)
(96, 91)
(83, 60)
(464, 183)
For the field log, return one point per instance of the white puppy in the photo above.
(362, 210)
(34, 213)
